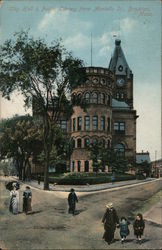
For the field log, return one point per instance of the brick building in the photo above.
(110, 117)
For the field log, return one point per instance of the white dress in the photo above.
(14, 201)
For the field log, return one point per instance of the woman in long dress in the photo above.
(14, 200)
(110, 220)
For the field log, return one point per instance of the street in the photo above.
(49, 226)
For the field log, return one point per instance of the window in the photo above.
(109, 144)
(87, 70)
(95, 70)
(102, 98)
(73, 166)
(79, 166)
(95, 122)
(79, 123)
(79, 143)
(108, 100)
(108, 125)
(102, 71)
(73, 143)
(86, 166)
(119, 127)
(86, 123)
(119, 149)
(74, 124)
(122, 95)
(87, 97)
(95, 98)
(64, 126)
(94, 141)
(103, 143)
(102, 123)
(117, 95)
(86, 142)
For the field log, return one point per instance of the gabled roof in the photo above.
(118, 63)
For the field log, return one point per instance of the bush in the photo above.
(84, 178)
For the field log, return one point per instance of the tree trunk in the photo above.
(46, 167)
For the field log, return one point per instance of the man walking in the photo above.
(72, 199)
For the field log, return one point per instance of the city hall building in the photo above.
(110, 117)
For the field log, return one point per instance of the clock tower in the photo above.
(123, 85)
(123, 114)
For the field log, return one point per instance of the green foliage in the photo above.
(86, 178)
(18, 137)
(45, 75)
(102, 156)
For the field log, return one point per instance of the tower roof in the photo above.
(118, 63)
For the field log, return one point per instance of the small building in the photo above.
(156, 168)
(143, 163)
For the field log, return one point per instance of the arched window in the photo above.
(79, 143)
(73, 165)
(120, 149)
(86, 166)
(79, 166)
(86, 142)
(95, 98)
(117, 95)
(108, 100)
(94, 141)
(102, 98)
(87, 97)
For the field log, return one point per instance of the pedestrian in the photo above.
(39, 179)
(72, 199)
(112, 179)
(27, 197)
(110, 221)
(124, 229)
(14, 200)
(139, 226)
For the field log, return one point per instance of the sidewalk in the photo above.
(88, 188)
(155, 213)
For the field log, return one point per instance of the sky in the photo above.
(136, 23)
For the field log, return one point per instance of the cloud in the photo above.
(127, 24)
(53, 19)
(79, 41)
(63, 22)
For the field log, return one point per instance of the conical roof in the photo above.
(118, 63)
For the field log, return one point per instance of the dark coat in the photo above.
(27, 196)
(110, 219)
(72, 199)
(138, 226)
(124, 230)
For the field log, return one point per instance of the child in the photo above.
(124, 230)
(139, 226)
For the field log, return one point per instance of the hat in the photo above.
(109, 205)
(72, 190)
(27, 187)
(14, 184)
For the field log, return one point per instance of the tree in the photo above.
(18, 138)
(45, 75)
(102, 156)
